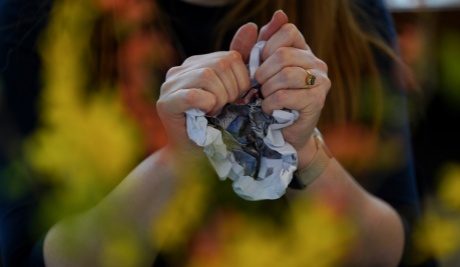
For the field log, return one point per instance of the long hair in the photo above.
(333, 33)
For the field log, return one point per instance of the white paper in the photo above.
(275, 167)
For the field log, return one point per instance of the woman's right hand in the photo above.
(206, 82)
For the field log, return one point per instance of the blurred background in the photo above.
(429, 38)
(429, 35)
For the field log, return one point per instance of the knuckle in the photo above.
(290, 30)
(282, 54)
(322, 65)
(172, 71)
(206, 73)
(234, 56)
(165, 87)
(280, 96)
(191, 97)
(286, 74)
(189, 59)
(159, 104)
(222, 64)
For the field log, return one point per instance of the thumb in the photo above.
(278, 20)
(243, 41)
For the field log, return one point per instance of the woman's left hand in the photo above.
(283, 75)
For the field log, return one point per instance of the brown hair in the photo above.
(353, 114)
(331, 30)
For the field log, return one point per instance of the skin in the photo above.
(208, 82)
(282, 75)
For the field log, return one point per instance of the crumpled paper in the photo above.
(245, 144)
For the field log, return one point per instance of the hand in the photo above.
(205, 82)
(286, 57)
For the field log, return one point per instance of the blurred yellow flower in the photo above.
(310, 232)
(125, 248)
(438, 235)
(87, 142)
(449, 187)
(439, 232)
(182, 215)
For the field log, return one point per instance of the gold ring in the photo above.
(310, 79)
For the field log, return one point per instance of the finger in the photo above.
(279, 18)
(224, 69)
(182, 100)
(205, 78)
(228, 66)
(240, 73)
(201, 60)
(287, 36)
(282, 58)
(287, 78)
(310, 101)
(244, 40)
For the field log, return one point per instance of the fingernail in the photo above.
(252, 23)
(278, 11)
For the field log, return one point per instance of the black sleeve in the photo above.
(20, 244)
(21, 23)
(398, 187)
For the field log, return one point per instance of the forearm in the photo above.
(125, 217)
(379, 236)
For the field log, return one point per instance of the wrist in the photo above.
(307, 153)
(308, 171)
